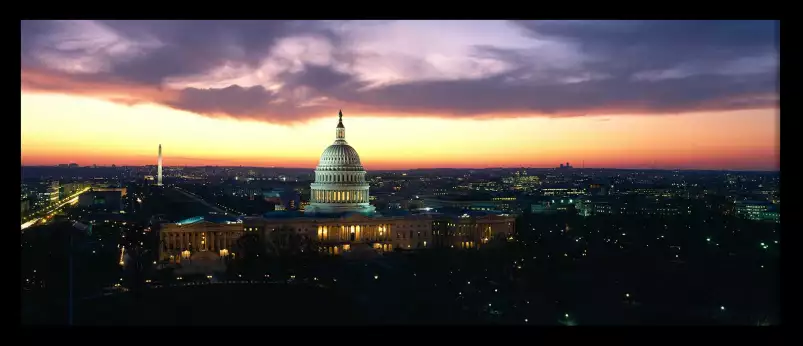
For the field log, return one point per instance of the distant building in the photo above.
(24, 191)
(649, 191)
(551, 206)
(508, 204)
(240, 190)
(441, 203)
(123, 191)
(757, 211)
(559, 190)
(96, 217)
(286, 199)
(69, 189)
(629, 206)
(292, 204)
(597, 189)
(521, 181)
(595, 208)
(51, 193)
(26, 206)
(103, 198)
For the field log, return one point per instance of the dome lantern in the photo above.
(340, 133)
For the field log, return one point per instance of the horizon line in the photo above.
(431, 168)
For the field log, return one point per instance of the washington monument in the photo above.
(159, 168)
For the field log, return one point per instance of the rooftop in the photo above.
(210, 218)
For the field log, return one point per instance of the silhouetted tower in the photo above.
(159, 168)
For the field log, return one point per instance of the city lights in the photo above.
(466, 154)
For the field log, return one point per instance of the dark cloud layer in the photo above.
(639, 67)
(601, 97)
(640, 45)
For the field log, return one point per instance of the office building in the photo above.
(103, 198)
(757, 211)
(51, 194)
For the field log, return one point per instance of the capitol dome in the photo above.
(340, 156)
(340, 185)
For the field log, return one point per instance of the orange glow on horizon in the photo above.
(64, 129)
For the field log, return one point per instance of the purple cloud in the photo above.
(287, 71)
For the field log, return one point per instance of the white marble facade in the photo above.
(340, 185)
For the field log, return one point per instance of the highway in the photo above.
(50, 211)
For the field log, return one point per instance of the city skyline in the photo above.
(474, 95)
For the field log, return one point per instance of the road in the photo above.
(49, 212)
(200, 200)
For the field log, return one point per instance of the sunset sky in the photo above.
(414, 94)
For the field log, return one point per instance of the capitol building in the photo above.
(340, 184)
(339, 218)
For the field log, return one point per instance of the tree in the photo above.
(249, 246)
(309, 245)
(250, 254)
(285, 241)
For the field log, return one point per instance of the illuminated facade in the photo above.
(492, 205)
(179, 241)
(340, 185)
(51, 194)
(337, 235)
(339, 218)
(757, 211)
